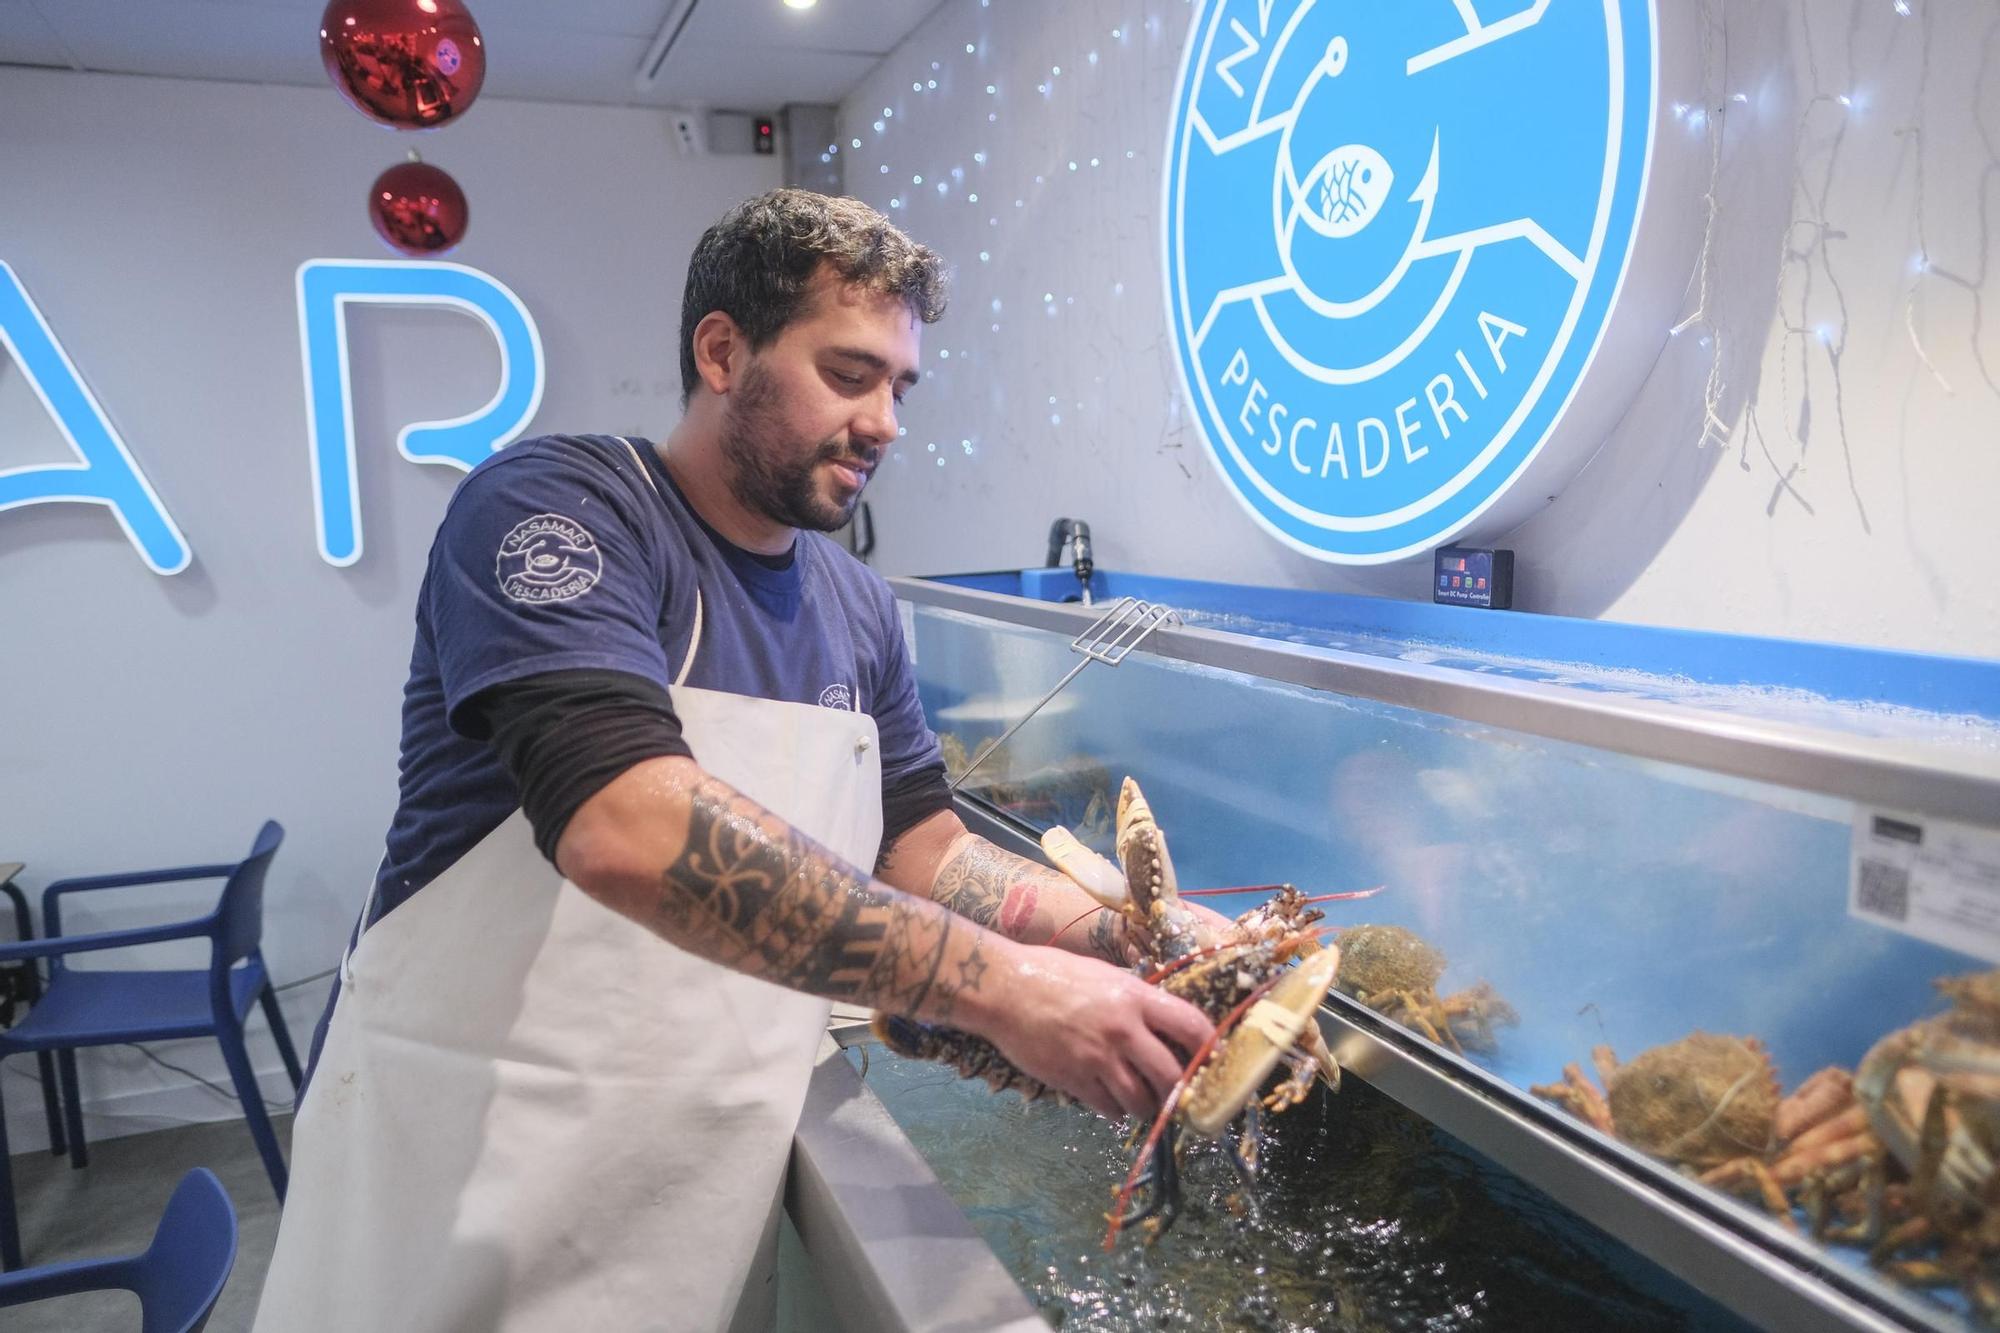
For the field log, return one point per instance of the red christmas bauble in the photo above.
(413, 64)
(417, 208)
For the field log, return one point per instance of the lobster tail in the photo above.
(969, 1056)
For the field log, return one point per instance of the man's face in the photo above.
(812, 414)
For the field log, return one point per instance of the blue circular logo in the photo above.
(1394, 235)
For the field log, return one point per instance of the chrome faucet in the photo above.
(1075, 534)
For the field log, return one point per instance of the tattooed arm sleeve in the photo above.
(1022, 899)
(699, 863)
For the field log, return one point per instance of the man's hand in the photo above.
(1096, 1032)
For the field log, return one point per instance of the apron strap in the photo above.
(694, 639)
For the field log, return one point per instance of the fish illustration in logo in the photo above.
(1348, 187)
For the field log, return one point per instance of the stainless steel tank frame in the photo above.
(1932, 780)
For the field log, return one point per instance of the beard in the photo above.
(772, 475)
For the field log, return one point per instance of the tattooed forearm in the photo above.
(1025, 901)
(975, 882)
(750, 892)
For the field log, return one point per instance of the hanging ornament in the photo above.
(417, 208)
(411, 64)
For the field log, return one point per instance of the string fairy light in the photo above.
(1052, 78)
(1712, 424)
(1913, 135)
(1805, 246)
(1924, 267)
(1056, 137)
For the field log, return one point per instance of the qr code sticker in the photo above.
(1884, 890)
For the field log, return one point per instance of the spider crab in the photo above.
(1707, 1103)
(1930, 1094)
(1395, 972)
(1263, 1009)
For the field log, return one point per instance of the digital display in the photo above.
(1469, 577)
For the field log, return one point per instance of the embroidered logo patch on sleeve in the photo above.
(548, 558)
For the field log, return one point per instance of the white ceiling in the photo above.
(740, 54)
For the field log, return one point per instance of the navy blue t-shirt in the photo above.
(567, 552)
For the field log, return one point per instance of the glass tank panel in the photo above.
(1580, 908)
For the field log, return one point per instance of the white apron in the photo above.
(531, 1113)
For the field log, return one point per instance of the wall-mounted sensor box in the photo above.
(1471, 576)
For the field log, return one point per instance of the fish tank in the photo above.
(1680, 972)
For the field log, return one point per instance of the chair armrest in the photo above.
(56, 946)
(80, 1275)
(86, 883)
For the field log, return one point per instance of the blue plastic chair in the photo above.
(103, 1008)
(24, 929)
(177, 1279)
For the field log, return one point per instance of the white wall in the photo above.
(1849, 496)
(149, 721)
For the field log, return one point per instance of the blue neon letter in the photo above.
(107, 474)
(325, 287)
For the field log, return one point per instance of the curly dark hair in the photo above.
(754, 265)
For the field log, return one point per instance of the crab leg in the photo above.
(1819, 1098)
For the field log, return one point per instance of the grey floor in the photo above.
(111, 1207)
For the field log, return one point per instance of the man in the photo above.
(655, 724)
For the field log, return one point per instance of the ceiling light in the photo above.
(800, 4)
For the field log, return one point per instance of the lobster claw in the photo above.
(1094, 874)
